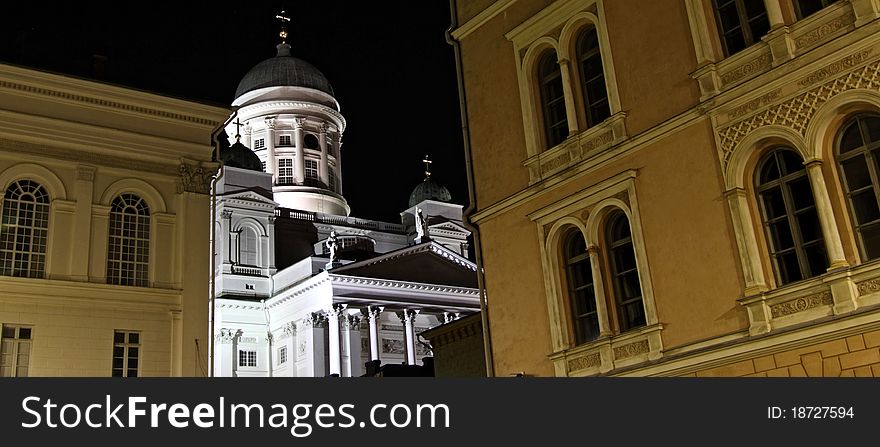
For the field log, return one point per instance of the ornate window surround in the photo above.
(557, 28)
(586, 212)
(787, 39)
(254, 225)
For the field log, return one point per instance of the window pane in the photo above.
(780, 236)
(872, 126)
(801, 193)
(119, 337)
(24, 333)
(729, 17)
(8, 332)
(134, 337)
(788, 268)
(808, 223)
(754, 8)
(791, 162)
(851, 138)
(774, 205)
(735, 41)
(808, 7)
(817, 259)
(865, 206)
(624, 259)
(759, 27)
(871, 240)
(855, 171)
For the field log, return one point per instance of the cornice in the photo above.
(272, 106)
(402, 285)
(481, 19)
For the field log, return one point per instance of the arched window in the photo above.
(858, 152)
(128, 250)
(624, 273)
(581, 291)
(789, 215)
(311, 141)
(741, 23)
(24, 229)
(552, 100)
(247, 247)
(592, 77)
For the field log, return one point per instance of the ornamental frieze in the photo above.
(588, 361)
(796, 112)
(819, 33)
(631, 350)
(757, 64)
(801, 304)
(195, 178)
(869, 287)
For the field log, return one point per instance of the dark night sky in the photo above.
(389, 64)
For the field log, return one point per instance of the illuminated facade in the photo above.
(104, 257)
(682, 187)
(284, 305)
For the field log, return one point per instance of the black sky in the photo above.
(388, 62)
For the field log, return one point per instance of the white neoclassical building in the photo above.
(281, 305)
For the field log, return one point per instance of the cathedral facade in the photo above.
(301, 288)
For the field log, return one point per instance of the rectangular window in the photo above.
(259, 143)
(332, 180)
(15, 350)
(282, 355)
(247, 358)
(805, 8)
(263, 163)
(126, 353)
(284, 140)
(741, 23)
(312, 170)
(285, 171)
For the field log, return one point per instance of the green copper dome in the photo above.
(429, 189)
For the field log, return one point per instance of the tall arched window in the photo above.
(581, 291)
(858, 152)
(24, 229)
(592, 77)
(552, 100)
(624, 273)
(128, 248)
(789, 215)
(247, 247)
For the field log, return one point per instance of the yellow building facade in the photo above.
(104, 237)
(676, 187)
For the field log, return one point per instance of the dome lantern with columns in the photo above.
(291, 121)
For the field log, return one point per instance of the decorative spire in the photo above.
(237, 130)
(283, 19)
(427, 161)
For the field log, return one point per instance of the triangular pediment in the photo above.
(249, 198)
(428, 263)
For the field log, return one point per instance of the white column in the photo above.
(225, 238)
(373, 320)
(271, 160)
(568, 95)
(599, 292)
(833, 245)
(323, 171)
(299, 168)
(774, 14)
(407, 317)
(333, 342)
(313, 338)
(351, 343)
(339, 163)
(248, 137)
(747, 243)
(224, 353)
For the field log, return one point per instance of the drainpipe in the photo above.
(215, 139)
(472, 195)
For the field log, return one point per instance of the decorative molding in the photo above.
(58, 94)
(227, 336)
(597, 142)
(801, 304)
(85, 173)
(195, 178)
(389, 284)
(481, 19)
(289, 329)
(315, 320)
(631, 350)
(751, 67)
(834, 68)
(754, 104)
(826, 29)
(593, 360)
(796, 112)
(92, 158)
(868, 287)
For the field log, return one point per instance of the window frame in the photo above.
(790, 216)
(800, 15)
(127, 345)
(570, 260)
(581, 57)
(550, 58)
(36, 235)
(866, 152)
(744, 26)
(284, 140)
(259, 143)
(614, 247)
(16, 343)
(246, 357)
(286, 174)
(244, 248)
(122, 262)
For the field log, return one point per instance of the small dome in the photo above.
(283, 70)
(239, 156)
(429, 189)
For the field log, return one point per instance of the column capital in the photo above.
(289, 329)
(270, 122)
(336, 310)
(324, 128)
(227, 336)
(373, 312)
(813, 163)
(593, 250)
(85, 173)
(299, 122)
(408, 315)
(226, 214)
(314, 320)
(351, 322)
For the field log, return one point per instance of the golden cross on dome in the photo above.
(427, 161)
(283, 19)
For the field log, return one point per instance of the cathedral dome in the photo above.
(283, 70)
(429, 189)
(239, 156)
